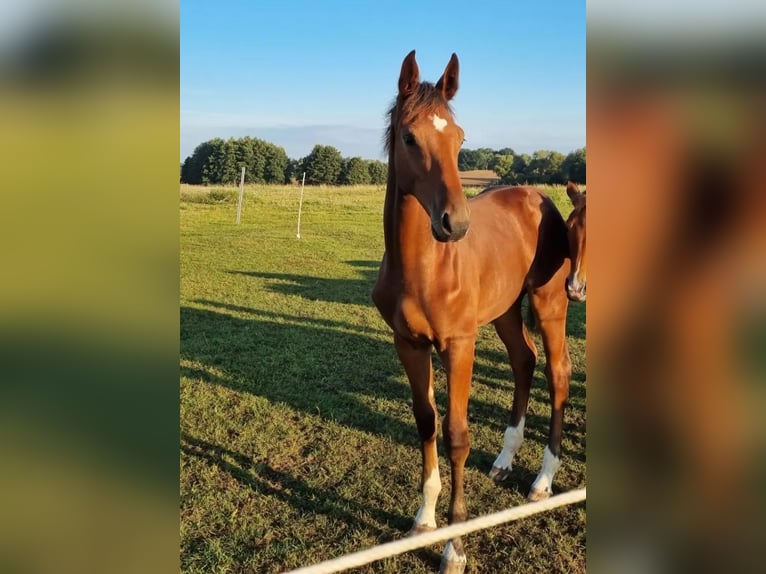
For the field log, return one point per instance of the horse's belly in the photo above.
(497, 296)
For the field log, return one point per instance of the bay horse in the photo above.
(451, 265)
(575, 283)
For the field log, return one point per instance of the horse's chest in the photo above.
(403, 312)
(411, 319)
(421, 311)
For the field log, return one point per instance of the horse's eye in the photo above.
(408, 138)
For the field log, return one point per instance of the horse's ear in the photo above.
(573, 192)
(448, 82)
(409, 78)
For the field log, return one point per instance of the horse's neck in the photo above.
(389, 210)
(410, 246)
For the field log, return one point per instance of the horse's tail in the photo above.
(530, 320)
(552, 249)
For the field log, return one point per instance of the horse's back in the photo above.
(514, 200)
(533, 223)
(529, 207)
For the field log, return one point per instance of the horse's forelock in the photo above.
(426, 99)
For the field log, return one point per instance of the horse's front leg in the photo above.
(416, 360)
(551, 308)
(458, 357)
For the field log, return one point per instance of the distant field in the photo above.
(478, 178)
(298, 442)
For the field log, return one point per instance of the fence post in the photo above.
(241, 193)
(300, 205)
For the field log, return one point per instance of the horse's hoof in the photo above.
(452, 566)
(452, 561)
(499, 474)
(420, 529)
(535, 495)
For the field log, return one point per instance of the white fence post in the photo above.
(241, 193)
(300, 205)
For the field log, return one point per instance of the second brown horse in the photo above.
(451, 265)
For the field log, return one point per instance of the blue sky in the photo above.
(299, 73)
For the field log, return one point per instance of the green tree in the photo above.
(323, 165)
(256, 164)
(573, 166)
(294, 170)
(465, 159)
(219, 161)
(502, 165)
(355, 172)
(212, 167)
(378, 172)
(243, 154)
(469, 159)
(191, 170)
(482, 158)
(545, 167)
(275, 164)
(517, 173)
(229, 171)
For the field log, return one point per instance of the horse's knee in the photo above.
(558, 382)
(563, 366)
(457, 440)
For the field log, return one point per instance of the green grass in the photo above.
(298, 442)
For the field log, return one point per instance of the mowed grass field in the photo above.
(298, 442)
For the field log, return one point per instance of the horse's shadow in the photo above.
(331, 368)
(263, 479)
(314, 366)
(317, 366)
(320, 367)
(354, 291)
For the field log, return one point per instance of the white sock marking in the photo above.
(426, 515)
(513, 438)
(544, 480)
(451, 555)
(439, 123)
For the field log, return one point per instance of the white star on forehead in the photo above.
(439, 123)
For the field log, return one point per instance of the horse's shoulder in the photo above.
(385, 292)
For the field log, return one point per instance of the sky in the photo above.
(299, 73)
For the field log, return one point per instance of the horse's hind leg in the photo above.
(416, 360)
(523, 356)
(550, 305)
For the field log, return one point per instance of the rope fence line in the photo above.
(389, 549)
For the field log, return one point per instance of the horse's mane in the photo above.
(426, 99)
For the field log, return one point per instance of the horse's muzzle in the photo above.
(575, 290)
(449, 229)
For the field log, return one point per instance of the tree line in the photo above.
(543, 166)
(219, 161)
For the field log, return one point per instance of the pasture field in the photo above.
(298, 442)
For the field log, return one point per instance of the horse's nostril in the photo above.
(446, 223)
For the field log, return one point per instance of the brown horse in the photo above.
(451, 265)
(575, 283)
